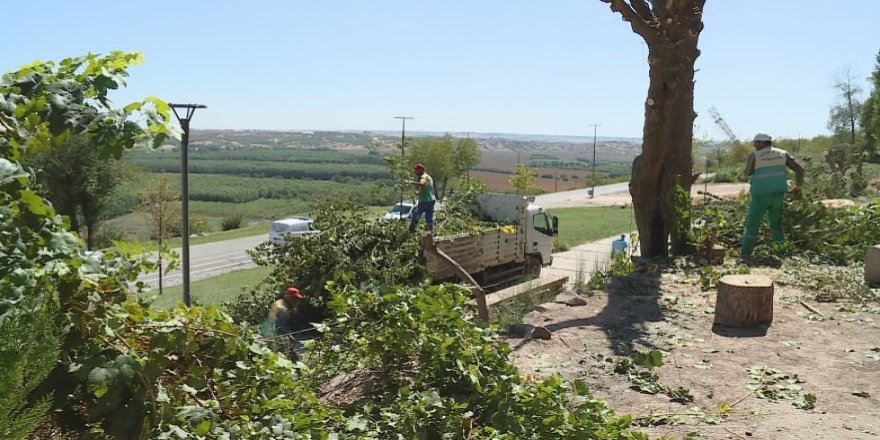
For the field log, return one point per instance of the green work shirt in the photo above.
(426, 191)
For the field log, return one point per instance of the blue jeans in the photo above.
(426, 208)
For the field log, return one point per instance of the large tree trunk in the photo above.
(671, 29)
(666, 159)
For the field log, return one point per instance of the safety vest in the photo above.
(770, 173)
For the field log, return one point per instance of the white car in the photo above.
(295, 226)
(399, 211)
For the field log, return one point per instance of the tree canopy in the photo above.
(870, 117)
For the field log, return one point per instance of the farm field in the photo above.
(263, 176)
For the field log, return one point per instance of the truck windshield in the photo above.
(397, 209)
(542, 223)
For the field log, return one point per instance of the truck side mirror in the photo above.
(555, 229)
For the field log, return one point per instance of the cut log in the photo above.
(744, 301)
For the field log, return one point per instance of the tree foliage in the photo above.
(77, 182)
(126, 370)
(352, 248)
(523, 180)
(445, 158)
(870, 117)
(160, 203)
(825, 235)
(843, 117)
(52, 102)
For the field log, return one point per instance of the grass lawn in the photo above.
(215, 290)
(261, 228)
(590, 223)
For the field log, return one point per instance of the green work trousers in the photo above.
(771, 204)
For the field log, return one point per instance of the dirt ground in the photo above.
(834, 356)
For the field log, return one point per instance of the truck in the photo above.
(521, 246)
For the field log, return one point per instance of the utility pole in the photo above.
(402, 143)
(593, 191)
(184, 187)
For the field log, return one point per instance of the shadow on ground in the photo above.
(632, 301)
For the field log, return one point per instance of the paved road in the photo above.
(212, 259)
(581, 196)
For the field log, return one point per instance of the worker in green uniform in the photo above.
(768, 184)
(427, 199)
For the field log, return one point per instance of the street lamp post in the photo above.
(593, 191)
(402, 143)
(184, 188)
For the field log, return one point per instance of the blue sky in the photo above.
(517, 66)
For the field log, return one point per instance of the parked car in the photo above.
(295, 226)
(399, 211)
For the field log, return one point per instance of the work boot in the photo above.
(412, 227)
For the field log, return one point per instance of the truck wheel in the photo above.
(532, 266)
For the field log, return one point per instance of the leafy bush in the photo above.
(837, 236)
(351, 249)
(231, 221)
(107, 235)
(437, 374)
(199, 225)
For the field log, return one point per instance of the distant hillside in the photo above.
(607, 147)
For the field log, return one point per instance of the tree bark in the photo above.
(671, 30)
(666, 159)
(744, 301)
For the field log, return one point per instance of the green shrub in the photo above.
(351, 249)
(107, 235)
(29, 343)
(199, 225)
(231, 221)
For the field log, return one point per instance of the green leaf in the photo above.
(580, 388)
(35, 204)
(203, 428)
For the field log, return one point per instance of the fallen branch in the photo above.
(742, 398)
(734, 433)
(811, 308)
(570, 347)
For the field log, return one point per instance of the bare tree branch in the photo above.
(639, 26)
(644, 10)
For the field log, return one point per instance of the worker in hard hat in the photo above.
(426, 200)
(768, 184)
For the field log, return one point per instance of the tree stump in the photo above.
(744, 301)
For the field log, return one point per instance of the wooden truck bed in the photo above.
(477, 251)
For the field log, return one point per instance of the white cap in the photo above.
(762, 137)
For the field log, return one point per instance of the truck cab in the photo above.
(541, 228)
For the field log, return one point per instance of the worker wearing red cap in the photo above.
(426, 201)
(283, 311)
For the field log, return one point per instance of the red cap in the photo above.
(294, 292)
(419, 166)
